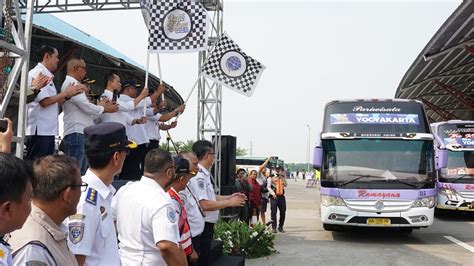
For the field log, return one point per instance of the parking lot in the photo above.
(449, 241)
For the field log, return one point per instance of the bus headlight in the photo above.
(447, 191)
(424, 202)
(332, 201)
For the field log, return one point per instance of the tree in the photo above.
(240, 151)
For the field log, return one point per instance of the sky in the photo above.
(314, 52)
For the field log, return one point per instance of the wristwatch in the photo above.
(67, 98)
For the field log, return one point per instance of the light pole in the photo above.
(309, 148)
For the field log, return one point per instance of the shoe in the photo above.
(281, 230)
(274, 231)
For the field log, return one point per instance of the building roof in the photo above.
(442, 75)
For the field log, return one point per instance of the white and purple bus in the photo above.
(455, 142)
(377, 165)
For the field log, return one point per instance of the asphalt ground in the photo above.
(449, 241)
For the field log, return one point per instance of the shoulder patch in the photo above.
(171, 213)
(76, 232)
(91, 196)
(201, 183)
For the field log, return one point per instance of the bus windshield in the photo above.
(378, 163)
(460, 168)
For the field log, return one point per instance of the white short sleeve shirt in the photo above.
(43, 121)
(195, 218)
(203, 189)
(91, 229)
(145, 216)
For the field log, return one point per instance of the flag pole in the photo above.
(159, 73)
(146, 77)
(189, 95)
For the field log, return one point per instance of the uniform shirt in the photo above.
(145, 216)
(203, 189)
(79, 113)
(121, 116)
(152, 126)
(91, 230)
(43, 121)
(5, 254)
(195, 218)
(52, 250)
(136, 132)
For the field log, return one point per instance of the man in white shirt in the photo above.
(92, 234)
(42, 119)
(147, 223)
(133, 166)
(202, 186)
(155, 122)
(79, 113)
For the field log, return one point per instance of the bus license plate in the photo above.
(378, 221)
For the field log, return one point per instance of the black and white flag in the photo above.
(175, 26)
(231, 67)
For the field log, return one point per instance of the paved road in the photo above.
(306, 243)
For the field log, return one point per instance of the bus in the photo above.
(377, 165)
(455, 143)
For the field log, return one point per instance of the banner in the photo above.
(232, 68)
(175, 26)
(375, 118)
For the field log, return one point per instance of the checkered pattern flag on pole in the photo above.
(231, 67)
(175, 26)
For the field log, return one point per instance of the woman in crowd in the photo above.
(255, 197)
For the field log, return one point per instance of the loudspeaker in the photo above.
(228, 151)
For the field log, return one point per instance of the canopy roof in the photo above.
(443, 73)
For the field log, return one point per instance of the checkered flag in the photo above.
(231, 67)
(175, 26)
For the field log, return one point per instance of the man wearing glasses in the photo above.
(79, 113)
(56, 191)
(202, 187)
(92, 234)
(147, 223)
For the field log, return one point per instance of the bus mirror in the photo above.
(317, 157)
(442, 159)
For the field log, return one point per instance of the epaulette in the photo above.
(91, 196)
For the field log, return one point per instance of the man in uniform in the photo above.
(147, 223)
(194, 211)
(15, 199)
(183, 174)
(92, 235)
(80, 113)
(202, 186)
(56, 191)
(42, 123)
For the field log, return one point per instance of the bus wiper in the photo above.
(359, 177)
(460, 176)
(404, 182)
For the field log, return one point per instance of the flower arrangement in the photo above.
(242, 240)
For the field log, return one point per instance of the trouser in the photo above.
(196, 246)
(244, 213)
(74, 147)
(206, 240)
(38, 146)
(280, 203)
(132, 167)
(154, 144)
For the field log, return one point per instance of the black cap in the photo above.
(107, 136)
(182, 165)
(128, 83)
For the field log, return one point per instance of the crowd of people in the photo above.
(261, 188)
(61, 209)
